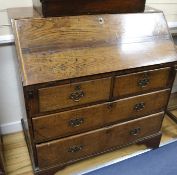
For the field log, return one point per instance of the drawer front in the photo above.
(85, 119)
(141, 82)
(90, 143)
(63, 96)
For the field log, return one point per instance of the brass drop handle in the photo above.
(139, 107)
(77, 94)
(135, 131)
(75, 148)
(76, 122)
(144, 81)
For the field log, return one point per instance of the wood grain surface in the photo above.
(74, 94)
(59, 125)
(58, 151)
(141, 82)
(70, 47)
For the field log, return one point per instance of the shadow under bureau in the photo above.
(93, 84)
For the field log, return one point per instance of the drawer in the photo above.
(141, 82)
(84, 145)
(80, 120)
(68, 95)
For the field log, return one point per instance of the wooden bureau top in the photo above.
(62, 48)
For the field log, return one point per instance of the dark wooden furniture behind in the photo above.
(77, 7)
(93, 84)
(172, 106)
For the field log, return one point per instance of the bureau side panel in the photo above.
(27, 125)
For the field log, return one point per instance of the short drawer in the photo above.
(80, 120)
(68, 95)
(79, 146)
(141, 82)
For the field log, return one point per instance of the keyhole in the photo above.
(101, 21)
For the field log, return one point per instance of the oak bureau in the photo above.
(93, 84)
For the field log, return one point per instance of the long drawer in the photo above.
(73, 94)
(85, 119)
(79, 146)
(141, 82)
